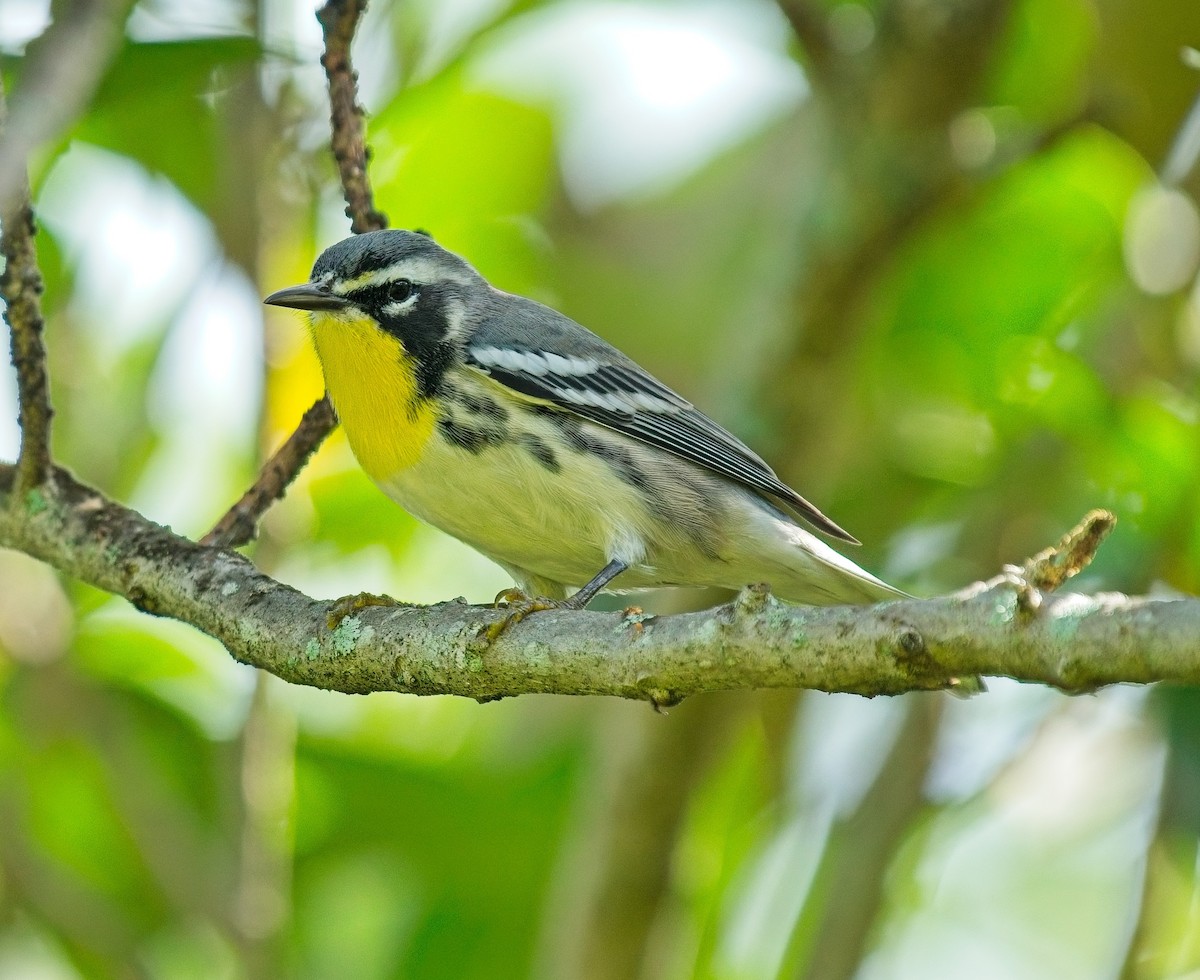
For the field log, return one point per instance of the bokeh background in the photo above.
(935, 259)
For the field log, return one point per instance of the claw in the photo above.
(520, 605)
(508, 597)
(348, 605)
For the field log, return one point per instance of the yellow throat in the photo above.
(373, 385)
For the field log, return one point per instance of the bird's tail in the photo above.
(800, 567)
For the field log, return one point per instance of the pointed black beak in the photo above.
(306, 297)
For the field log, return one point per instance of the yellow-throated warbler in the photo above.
(521, 433)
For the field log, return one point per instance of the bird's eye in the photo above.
(400, 290)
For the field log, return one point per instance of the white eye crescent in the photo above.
(401, 296)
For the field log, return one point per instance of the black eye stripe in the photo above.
(377, 296)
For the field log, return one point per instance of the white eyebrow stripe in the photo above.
(419, 269)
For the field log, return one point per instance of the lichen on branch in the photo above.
(1073, 642)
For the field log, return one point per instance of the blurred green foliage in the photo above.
(155, 106)
(936, 280)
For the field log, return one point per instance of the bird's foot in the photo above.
(348, 605)
(519, 605)
(522, 604)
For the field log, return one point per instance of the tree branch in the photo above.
(21, 289)
(240, 523)
(339, 21)
(1072, 642)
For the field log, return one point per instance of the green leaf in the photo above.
(473, 168)
(158, 104)
(1041, 67)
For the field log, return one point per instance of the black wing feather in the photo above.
(675, 427)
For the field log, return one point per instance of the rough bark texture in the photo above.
(21, 288)
(1073, 642)
(339, 20)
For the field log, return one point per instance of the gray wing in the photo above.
(543, 355)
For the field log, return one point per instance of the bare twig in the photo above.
(21, 288)
(339, 20)
(63, 68)
(1049, 569)
(240, 523)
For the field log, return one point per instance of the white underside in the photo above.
(554, 531)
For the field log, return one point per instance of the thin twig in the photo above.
(1049, 569)
(240, 523)
(339, 20)
(21, 289)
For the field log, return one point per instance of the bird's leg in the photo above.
(593, 588)
(521, 605)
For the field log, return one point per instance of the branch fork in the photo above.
(339, 21)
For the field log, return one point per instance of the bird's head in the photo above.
(403, 281)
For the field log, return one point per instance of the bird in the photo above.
(520, 432)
